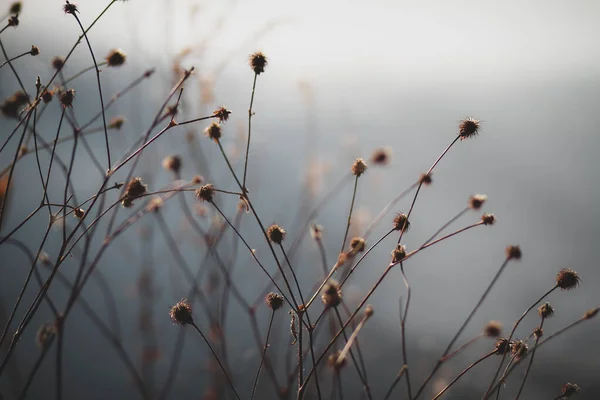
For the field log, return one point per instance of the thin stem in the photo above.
(537, 339)
(249, 132)
(349, 214)
(398, 377)
(403, 316)
(14, 58)
(463, 373)
(264, 353)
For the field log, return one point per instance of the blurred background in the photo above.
(344, 78)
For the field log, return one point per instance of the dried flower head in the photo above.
(172, 163)
(538, 332)
(502, 346)
(213, 131)
(518, 348)
(359, 166)
(78, 213)
(274, 301)
(47, 96)
(116, 122)
(357, 245)
(398, 253)
(222, 114)
(331, 294)
(492, 329)
(70, 8)
(205, 192)
(425, 179)
(488, 219)
(276, 234)
(546, 310)
(181, 313)
(591, 313)
(45, 335)
(155, 204)
(58, 63)
(567, 279)
(569, 389)
(34, 50)
(67, 97)
(335, 362)
(13, 21)
(401, 222)
(476, 201)
(15, 7)
(135, 188)
(381, 156)
(513, 252)
(468, 127)
(258, 62)
(116, 58)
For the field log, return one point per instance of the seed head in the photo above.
(357, 245)
(222, 114)
(334, 361)
(476, 201)
(70, 8)
(513, 252)
(15, 7)
(332, 294)
(116, 58)
(13, 21)
(58, 63)
(213, 131)
(205, 192)
(492, 329)
(398, 253)
(538, 332)
(518, 348)
(381, 156)
(135, 188)
(502, 346)
(66, 98)
(468, 127)
(359, 166)
(172, 163)
(488, 219)
(78, 213)
(274, 301)
(276, 234)
(258, 62)
(591, 313)
(116, 122)
(425, 179)
(47, 96)
(401, 222)
(181, 313)
(34, 50)
(546, 310)
(45, 335)
(567, 279)
(569, 390)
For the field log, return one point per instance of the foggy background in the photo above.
(344, 78)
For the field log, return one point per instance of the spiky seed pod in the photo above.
(502, 346)
(70, 8)
(468, 127)
(425, 179)
(398, 253)
(359, 166)
(205, 192)
(332, 294)
(513, 252)
(67, 97)
(492, 329)
(45, 335)
(569, 389)
(78, 213)
(276, 234)
(58, 63)
(274, 301)
(213, 131)
(172, 163)
(34, 50)
(567, 279)
(538, 332)
(116, 122)
(546, 310)
(47, 96)
(488, 219)
(476, 201)
(222, 114)
(518, 348)
(333, 362)
(116, 58)
(357, 245)
(15, 7)
(381, 156)
(589, 314)
(135, 188)
(401, 222)
(181, 313)
(258, 62)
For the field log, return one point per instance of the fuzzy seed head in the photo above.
(502, 346)
(398, 253)
(58, 63)
(222, 114)
(66, 98)
(205, 192)
(78, 213)
(116, 58)
(381, 156)
(569, 389)
(274, 301)
(172, 163)
(401, 222)
(357, 245)
(476, 201)
(15, 7)
(34, 50)
(359, 166)
(492, 329)
(567, 279)
(47, 96)
(136, 188)
(469, 127)
(181, 313)
(518, 348)
(538, 332)
(488, 219)
(213, 131)
(70, 8)
(513, 252)
(258, 62)
(276, 234)
(591, 313)
(546, 310)
(331, 294)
